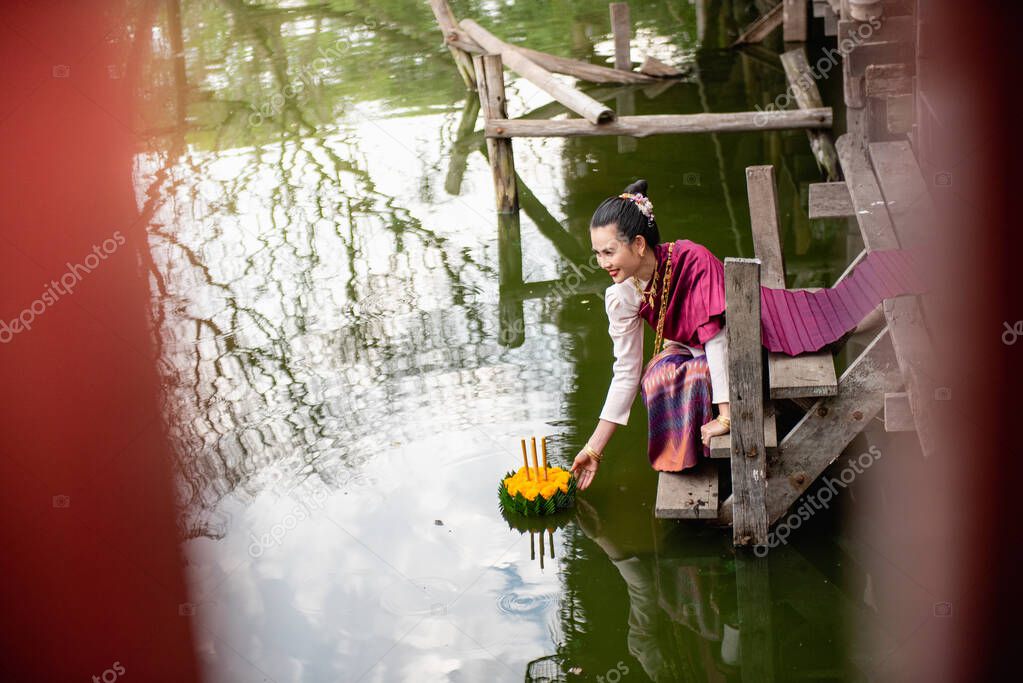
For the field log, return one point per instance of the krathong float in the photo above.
(536, 491)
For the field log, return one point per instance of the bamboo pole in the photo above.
(584, 71)
(584, 105)
(664, 124)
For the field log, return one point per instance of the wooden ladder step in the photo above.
(721, 446)
(691, 494)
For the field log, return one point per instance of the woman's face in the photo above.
(620, 260)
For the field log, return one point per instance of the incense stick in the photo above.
(525, 461)
(543, 446)
(536, 465)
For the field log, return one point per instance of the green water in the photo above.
(342, 386)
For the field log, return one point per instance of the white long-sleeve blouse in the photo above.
(622, 302)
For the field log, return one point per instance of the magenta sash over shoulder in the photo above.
(792, 321)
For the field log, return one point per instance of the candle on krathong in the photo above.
(543, 447)
(525, 460)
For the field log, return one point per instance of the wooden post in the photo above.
(746, 398)
(625, 103)
(804, 87)
(576, 100)
(490, 82)
(794, 24)
(446, 20)
(621, 28)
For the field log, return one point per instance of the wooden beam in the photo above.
(761, 28)
(621, 29)
(810, 374)
(871, 213)
(584, 105)
(804, 88)
(690, 494)
(898, 417)
(746, 401)
(828, 428)
(665, 124)
(794, 24)
(830, 200)
(490, 83)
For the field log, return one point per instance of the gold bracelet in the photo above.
(726, 421)
(588, 450)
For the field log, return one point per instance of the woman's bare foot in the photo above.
(713, 428)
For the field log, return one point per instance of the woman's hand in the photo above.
(584, 467)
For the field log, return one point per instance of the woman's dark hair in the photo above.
(626, 215)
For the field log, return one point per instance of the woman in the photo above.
(678, 288)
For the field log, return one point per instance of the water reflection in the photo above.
(351, 342)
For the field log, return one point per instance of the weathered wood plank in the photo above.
(898, 417)
(830, 200)
(691, 494)
(905, 192)
(490, 83)
(746, 401)
(828, 428)
(794, 24)
(621, 29)
(579, 102)
(886, 80)
(665, 124)
(721, 445)
(811, 374)
(913, 353)
(871, 213)
(759, 29)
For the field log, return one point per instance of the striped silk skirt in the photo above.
(676, 391)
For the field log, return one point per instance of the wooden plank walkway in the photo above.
(692, 494)
(811, 374)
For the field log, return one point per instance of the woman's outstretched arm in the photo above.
(626, 330)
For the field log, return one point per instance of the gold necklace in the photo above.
(659, 338)
(648, 297)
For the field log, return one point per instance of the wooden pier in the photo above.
(871, 176)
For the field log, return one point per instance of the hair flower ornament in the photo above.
(642, 202)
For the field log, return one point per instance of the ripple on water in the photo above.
(520, 604)
(422, 596)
